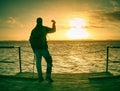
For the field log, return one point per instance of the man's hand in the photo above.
(53, 21)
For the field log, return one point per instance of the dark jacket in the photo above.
(38, 37)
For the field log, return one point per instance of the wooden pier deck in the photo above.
(62, 82)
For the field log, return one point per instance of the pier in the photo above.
(102, 81)
(26, 81)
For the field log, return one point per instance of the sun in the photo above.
(77, 33)
(77, 22)
(77, 30)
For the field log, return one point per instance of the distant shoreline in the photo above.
(56, 40)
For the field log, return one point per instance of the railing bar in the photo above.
(9, 46)
(20, 64)
(107, 56)
(19, 53)
(114, 46)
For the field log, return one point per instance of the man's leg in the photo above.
(49, 66)
(48, 59)
(38, 57)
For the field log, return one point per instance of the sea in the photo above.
(68, 57)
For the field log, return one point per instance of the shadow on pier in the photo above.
(102, 81)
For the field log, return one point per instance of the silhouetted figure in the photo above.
(39, 45)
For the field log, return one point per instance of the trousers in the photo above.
(39, 53)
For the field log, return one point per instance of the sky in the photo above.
(75, 19)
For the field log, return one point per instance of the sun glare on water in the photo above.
(77, 30)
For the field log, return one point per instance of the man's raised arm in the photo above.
(53, 26)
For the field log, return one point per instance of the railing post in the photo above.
(19, 50)
(107, 55)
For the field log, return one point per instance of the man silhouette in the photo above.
(39, 45)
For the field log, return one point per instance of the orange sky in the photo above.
(89, 20)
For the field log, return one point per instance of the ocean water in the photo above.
(68, 57)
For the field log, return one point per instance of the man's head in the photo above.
(39, 21)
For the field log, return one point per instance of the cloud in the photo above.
(10, 23)
(11, 20)
(114, 16)
(110, 16)
(115, 4)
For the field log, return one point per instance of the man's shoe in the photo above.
(41, 79)
(49, 80)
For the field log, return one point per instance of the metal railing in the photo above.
(107, 56)
(19, 54)
(20, 62)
